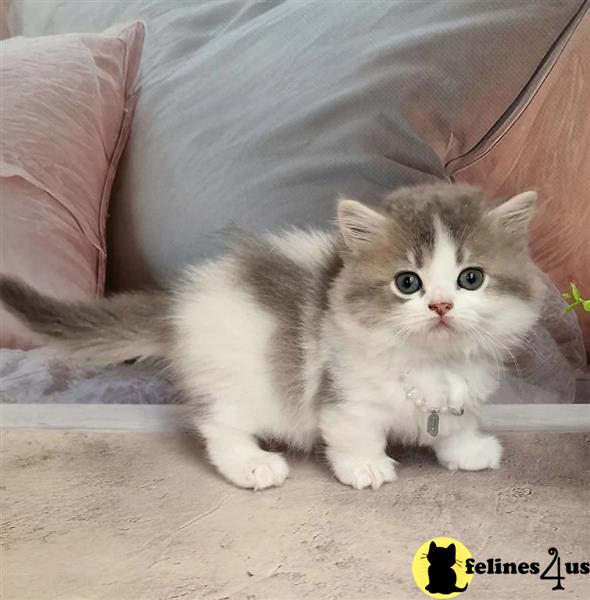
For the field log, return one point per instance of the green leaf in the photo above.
(566, 296)
(568, 309)
(586, 305)
(575, 292)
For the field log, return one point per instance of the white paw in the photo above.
(469, 451)
(263, 470)
(360, 472)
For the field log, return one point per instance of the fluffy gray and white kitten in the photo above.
(350, 337)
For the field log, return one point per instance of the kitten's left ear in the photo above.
(516, 212)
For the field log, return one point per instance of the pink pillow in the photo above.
(4, 8)
(65, 115)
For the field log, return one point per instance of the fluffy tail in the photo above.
(105, 331)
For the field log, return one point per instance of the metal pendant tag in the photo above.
(432, 424)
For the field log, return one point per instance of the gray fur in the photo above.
(513, 285)
(281, 286)
(109, 330)
(297, 296)
(458, 207)
(327, 392)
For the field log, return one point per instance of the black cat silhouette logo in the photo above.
(439, 568)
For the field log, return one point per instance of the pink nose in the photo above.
(441, 308)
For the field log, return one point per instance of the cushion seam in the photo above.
(528, 92)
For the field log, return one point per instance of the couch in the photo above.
(259, 114)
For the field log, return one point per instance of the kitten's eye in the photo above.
(470, 279)
(408, 282)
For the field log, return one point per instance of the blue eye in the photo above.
(470, 279)
(408, 282)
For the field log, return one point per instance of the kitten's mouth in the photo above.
(441, 325)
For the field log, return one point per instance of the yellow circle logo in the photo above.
(439, 568)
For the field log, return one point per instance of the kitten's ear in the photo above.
(432, 547)
(358, 223)
(516, 212)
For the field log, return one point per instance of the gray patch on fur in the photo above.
(459, 209)
(421, 233)
(327, 275)
(327, 392)
(514, 286)
(370, 300)
(104, 331)
(460, 218)
(297, 296)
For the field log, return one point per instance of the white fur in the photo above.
(223, 357)
(309, 249)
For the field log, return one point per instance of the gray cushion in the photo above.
(259, 114)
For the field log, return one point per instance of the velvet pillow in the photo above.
(67, 104)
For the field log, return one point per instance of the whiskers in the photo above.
(469, 334)
(503, 349)
(406, 326)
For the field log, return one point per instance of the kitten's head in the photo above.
(441, 267)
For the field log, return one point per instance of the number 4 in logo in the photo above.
(559, 577)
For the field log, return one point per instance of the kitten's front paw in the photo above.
(469, 451)
(260, 471)
(361, 472)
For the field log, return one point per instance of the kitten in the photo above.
(349, 337)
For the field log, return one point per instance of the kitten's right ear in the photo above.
(358, 223)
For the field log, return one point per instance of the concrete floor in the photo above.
(129, 516)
